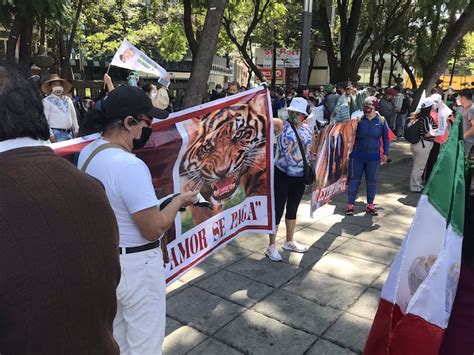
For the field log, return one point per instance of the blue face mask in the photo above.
(132, 82)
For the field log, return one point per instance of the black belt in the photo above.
(140, 248)
(63, 130)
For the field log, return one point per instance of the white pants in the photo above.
(420, 158)
(139, 325)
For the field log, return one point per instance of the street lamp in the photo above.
(305, 40)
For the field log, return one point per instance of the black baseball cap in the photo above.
(130, 100)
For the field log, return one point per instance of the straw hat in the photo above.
(46, 87)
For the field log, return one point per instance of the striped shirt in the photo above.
(425, 127)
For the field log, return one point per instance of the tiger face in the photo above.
(228, 143)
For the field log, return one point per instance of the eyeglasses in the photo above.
(147, 120)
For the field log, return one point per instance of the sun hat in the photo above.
(46, 87)
(298, 104)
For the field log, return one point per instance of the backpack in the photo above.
(412, 132)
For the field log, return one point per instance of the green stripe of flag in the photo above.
(445, 188)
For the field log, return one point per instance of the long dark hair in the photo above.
(21, 105)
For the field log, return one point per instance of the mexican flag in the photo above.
(417, 298)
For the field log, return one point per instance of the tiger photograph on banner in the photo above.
(225, 157)
(332, 148)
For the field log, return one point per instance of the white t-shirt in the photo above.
(128, 185)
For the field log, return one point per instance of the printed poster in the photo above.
(224, 150)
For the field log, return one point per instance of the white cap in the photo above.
(436, 98)
(427, 102)
(298, 104)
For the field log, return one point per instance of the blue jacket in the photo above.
(367, 143)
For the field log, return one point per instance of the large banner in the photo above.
(224, 150)
(333, 147)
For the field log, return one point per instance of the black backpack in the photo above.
(412, 131)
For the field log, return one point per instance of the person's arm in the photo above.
(75, 124)
(140, 199)
(47, 113)
(470, 131)
(108, 82)
(277, 126)
(153, 223)
(385, 141)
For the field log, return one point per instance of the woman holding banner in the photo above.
(289, 170)
(365, 156)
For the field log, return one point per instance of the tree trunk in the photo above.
(407, 68)
(373, 68)
(452, 71)
(14, 36)
(42, 24)
(25, 41)
(390, 74)
(72, 34)
(381, 64)
(454, 33)
(188, 27)
(64, 61)
(202, 63)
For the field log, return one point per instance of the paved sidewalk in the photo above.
(320, 302)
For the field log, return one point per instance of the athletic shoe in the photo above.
(350, 210)
(272, 253)
(295, 246)
(371, 210)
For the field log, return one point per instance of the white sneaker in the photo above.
(272, 253)
(295, 246)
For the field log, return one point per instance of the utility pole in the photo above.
(305, 41)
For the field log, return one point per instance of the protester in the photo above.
(233, 88)
(387, 108)
(330, 101)
(59, 109)
(467, 111)
(59, 262)
(217, 93)
(289, 170)
(133, 79)
(278, 101)
(139, 326)
(421, 149)
(162, 99)
(365, 157)
(398, 104)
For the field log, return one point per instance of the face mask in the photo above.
(57, 90)
(140, 142)
(132, 82)
(218, 91)
(153, 95)
(367, 109)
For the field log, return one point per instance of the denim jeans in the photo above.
(61, 135)
(357, 168)
(401, 121)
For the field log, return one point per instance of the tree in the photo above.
(20, 16)
(239, 26)
(373, 20)
(456, 29)
(202, 62)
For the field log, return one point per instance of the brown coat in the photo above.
(59, 262)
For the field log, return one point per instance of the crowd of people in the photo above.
(105, 282)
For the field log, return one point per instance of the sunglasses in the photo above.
(147, 120)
